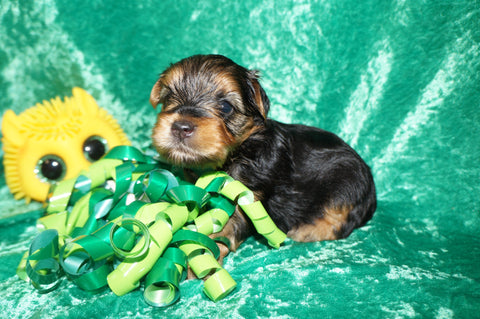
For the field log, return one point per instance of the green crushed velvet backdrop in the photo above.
(399, 80)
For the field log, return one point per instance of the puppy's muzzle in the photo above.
(182, 129)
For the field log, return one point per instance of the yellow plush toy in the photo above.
(54, 141)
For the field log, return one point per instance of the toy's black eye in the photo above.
(226, 107)
(51, 168)
(94, 148)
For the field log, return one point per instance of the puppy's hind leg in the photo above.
(329, 226)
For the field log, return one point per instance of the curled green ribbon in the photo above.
(41, 264)
(155, 184)
(202, 254)
(162, 284)
(255, 211)
(127, 275)
(128, 220)
(129, 254)
(210, 222)
(192, 196)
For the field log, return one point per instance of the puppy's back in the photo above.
(311, 182)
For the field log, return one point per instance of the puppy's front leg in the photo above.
(236, 230)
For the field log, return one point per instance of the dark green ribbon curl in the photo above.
(127, 210)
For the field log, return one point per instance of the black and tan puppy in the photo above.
(214, 115)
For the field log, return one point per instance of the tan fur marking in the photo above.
(210, 142)
(161, 135)
(213, 139)
(173, 75)
(324, 228)
(226, 82)
(155, 94)
(258, 98)
(250, 129)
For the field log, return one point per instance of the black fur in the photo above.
(298, 172)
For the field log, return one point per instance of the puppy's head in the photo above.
(210, 105)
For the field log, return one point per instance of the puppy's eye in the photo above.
(226, 107)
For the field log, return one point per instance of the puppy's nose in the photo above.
(182, 129)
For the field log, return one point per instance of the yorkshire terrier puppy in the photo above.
(214, 115)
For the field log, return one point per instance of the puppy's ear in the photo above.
(259, 96)
(159, 91)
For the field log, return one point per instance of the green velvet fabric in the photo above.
(398, 80)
